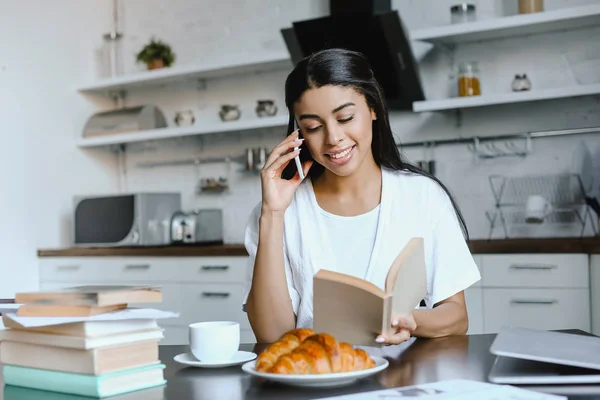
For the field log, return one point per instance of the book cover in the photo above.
(105, 385)
(356, 311)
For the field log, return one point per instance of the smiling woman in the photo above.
(357, 208)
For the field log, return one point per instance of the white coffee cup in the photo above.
(537, 209)
(215, 341)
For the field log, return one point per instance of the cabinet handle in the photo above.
(532, 266)
(542, 302)
(215, 267)
(215, 294)
(68, 267)
(137, 266)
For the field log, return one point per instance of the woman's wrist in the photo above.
(270, 215)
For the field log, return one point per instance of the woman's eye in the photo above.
(344, 120)
(312, 129)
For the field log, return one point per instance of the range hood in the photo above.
(372, 28)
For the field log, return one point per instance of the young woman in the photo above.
(358, 206)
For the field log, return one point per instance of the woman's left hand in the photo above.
(403, 328)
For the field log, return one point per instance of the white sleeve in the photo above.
(454, 269)
(251, 243)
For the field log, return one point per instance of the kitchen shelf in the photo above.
(209, 70)
(505, 98)
(517, 25)
(174, 132)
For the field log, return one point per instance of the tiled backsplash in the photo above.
(222, 27)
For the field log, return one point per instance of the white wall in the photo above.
(51, 47)
(205, 32)
(47, 47)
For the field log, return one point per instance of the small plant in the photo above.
(156, 54)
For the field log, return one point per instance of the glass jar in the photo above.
(468, 79)
(531, 6)
(462, 13)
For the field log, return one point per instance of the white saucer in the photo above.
(238, 358)
(318, 380)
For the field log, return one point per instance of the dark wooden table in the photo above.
(422, 361)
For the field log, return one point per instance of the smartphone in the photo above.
(297, 158)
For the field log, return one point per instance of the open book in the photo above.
(354, 310)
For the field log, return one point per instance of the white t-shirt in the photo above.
(412, 205)
(354, 238)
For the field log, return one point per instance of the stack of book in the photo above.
(79, 341)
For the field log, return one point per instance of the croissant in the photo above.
(322, 354)
(285, 344)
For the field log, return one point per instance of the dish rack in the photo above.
(564, 192)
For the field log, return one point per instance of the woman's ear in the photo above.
(373, 115)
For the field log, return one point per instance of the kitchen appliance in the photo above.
(372, 28)
(134, 219)
(198, 226)
(123, 120)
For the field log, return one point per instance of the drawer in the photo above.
(213, 302)
(474, 301)
(108, 269)
(536, 308)
(213, 269)
(536, 270)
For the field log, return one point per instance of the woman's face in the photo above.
(336, 123)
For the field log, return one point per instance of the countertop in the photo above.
(586, 245)
(422, 361)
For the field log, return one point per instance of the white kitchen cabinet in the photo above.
(595, 292)
(474, 301)
(536, 308)
(198, 288)
(541, 291)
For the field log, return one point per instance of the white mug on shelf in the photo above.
(537, 209)
(214, 341)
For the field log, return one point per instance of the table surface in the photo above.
(417, 362)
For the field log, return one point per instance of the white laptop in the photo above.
(529, 356)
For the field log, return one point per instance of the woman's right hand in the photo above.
(277, 193)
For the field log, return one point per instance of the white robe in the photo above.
(411, 205)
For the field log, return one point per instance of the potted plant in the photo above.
(156, 54)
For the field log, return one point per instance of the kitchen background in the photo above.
(50, 49)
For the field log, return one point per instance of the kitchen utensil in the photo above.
(266, 108)
(184, 118)
(198, 226)
(229, 112)
(462, 13)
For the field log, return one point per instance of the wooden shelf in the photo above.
(174, 132)
(208, 70)
(517, 25)
(505, 98)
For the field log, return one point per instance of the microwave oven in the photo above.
(133, 219)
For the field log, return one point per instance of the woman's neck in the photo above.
(350, 195)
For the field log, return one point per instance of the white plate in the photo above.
(318, 380)
(239, 358)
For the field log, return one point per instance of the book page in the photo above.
(346, 312)
(457, 389)
(128, 313)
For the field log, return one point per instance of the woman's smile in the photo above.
(341, 156)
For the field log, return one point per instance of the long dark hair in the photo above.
(351, 69)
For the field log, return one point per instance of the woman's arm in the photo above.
(269, 306)
(448, 317)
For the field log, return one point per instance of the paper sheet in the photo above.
(451, 390)
(128, 313)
